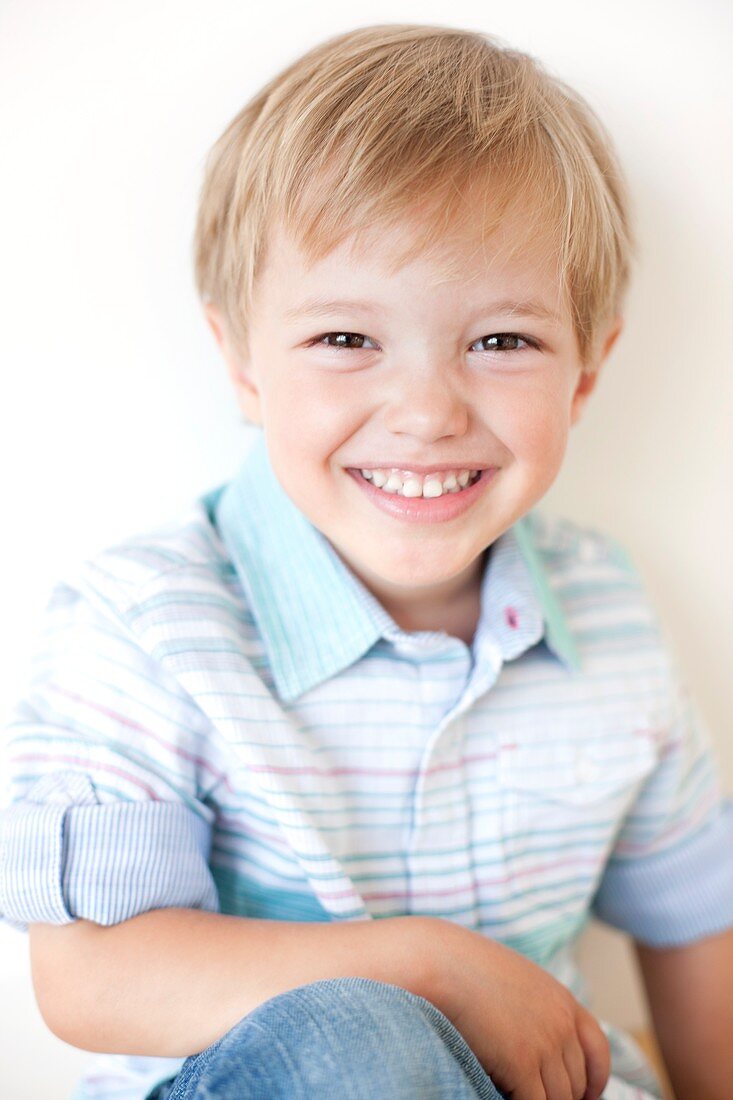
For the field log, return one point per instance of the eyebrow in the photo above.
(318, 307)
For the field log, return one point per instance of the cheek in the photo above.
(314, 415)
(534, 428)
(548, 430)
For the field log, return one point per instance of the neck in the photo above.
(453, 606)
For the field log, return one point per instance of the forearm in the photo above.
(170, 982)
(689, 993)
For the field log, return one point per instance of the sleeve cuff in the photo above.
(671, 898)
(104, 862)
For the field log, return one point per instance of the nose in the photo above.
(425, 401)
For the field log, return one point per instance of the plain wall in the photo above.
(116, 410)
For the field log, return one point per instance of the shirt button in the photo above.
(512, 617)
(586, 770)
(588, 549)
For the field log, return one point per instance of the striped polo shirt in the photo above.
(221, 716)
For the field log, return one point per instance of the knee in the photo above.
(332, 1037)
(340, 1028)
(342, 1002)
(346, 997)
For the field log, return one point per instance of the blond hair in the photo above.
(382, 121)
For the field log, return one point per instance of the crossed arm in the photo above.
(690, 994)
(86, 982)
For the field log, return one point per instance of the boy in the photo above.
(314, 791)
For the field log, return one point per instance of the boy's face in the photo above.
(421, 390)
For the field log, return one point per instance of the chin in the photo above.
(415, 574)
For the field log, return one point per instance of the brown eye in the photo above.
(344, 339)
(502, 341)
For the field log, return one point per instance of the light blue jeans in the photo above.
(338, 1039)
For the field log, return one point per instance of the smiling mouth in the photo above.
(405, 483)
(415, 507)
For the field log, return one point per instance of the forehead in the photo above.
(512, 251)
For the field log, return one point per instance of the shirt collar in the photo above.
(314, 614)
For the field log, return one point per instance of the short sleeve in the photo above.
(106, 771)
(669, 879)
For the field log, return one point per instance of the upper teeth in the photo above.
(414, 485)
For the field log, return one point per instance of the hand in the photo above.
(532, 1037)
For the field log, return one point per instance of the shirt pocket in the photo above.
(571, 794)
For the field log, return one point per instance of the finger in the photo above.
(530, 1089)
(597, 1054)
(574, 1059)
(555, 1079)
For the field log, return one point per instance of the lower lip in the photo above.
(430, 510)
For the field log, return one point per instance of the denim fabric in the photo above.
(339, 1039)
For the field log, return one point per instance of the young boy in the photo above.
(314, 791)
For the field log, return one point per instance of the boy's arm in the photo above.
(689, 993)
(169, 982)
(173, 981)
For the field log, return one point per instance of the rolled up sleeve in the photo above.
(675, 896)
(669, 880)
(104, 863)
(104, 757)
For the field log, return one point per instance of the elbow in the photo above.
(66, 1018)
(62, 982)
(66, 1024)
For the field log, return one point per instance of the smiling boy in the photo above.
(462, 362)
(315, 790)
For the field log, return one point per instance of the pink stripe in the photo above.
(93, 765)
(401, 896)
(200, 761)
(484, 882)
(679, 833)
(278, 770)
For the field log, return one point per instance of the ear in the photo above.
(588, 378)
(238, 365)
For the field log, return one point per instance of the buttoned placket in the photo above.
(438, 826)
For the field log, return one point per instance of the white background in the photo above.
(116, 410)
